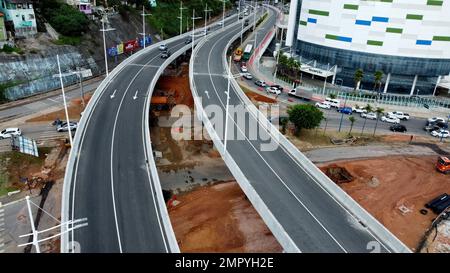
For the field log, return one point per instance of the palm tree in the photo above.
(379, 111)
(359, 75)
(378, 77)
(332, 96)
(369, 109)
(352, 121)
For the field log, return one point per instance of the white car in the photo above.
(436, 119)
(220, 23)
(441, 133)
(323, 105)
(248, 76)
(359, 109)
(273, 90)
(244, 69)
(390, 119)
(64, 128)
(399, 115)
(370, 115)
(163, 47)
(10, 132)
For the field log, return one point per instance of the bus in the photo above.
(247, 52)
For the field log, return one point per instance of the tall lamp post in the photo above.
(105, 19)
(64, 100)
(143, 23)
(193, 28)
(206, 17)
(181, 17)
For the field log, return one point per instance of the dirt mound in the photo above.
(258, 97)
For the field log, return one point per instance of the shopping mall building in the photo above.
(408, 40)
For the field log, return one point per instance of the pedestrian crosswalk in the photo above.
(2, 228)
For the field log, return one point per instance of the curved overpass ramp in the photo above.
(304, 209)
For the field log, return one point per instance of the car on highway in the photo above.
(370, 115)
(345, 110)
(163, 47)
(323, 105)
(435, 126)
(436, 119)
(399, 115)
(10, 132)
(220, 23)
(390, 119)
(359, 109)
(64, 128)
(247, 76)
(188, 40)
(441, 133)
(273, 90)
(244, 69)
(398, 128)
(165, 54)
(260, 83)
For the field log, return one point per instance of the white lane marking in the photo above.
(207, 93)
(273, 171)
(52, 100)
(113, 94)
(135, 95)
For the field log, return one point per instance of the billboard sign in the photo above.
(148, 41)
(130, 45)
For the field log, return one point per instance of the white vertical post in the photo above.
(33, 228)
(193, 28)
(64, 100)
(413, 87)
(334, 75)
(437, 83)
(143, 25)
(386, 85)
(223, 14)
(181, 17)
(206, 17)
(227, 106)
(104, 46)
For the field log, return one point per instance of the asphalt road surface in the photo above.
(312, 218)
(111, 185)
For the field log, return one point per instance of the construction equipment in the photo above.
(237, 54)
(443, 164)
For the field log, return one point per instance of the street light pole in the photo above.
(181, 17)
(206, 17)
(143, 23)
(64, 100)
(104, 41)
(227, 106)
(223, 14)
(193, 28)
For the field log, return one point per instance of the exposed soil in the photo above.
(74, 109)
(219, 218)
(257, 97)
(394, 190)
(177, 85)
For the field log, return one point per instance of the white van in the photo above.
(333, 102)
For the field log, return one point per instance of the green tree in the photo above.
(379, 111)
(369, 109)
(359, 75)
(304, 116)
(378, 77)
(352, 121)
(66, 19)
(332, 96)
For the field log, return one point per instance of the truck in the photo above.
(443, 164)
(301, 93)
(237, 55)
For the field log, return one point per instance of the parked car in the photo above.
(398, 128)
(390, 119)
(441, 133)
(273, 90)
(163, 47)
(64, 128)
(399, 115)
(10, 132)
(359, 109)
(277, 86)
(248, 76)
(260, 83)
(345, 110)
(323, 105)
(436, 119)
(244, 69)
(370, 115)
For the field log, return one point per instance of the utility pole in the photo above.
(105, 18)
(80, 75)
(65, 103)
(181, 17)
(223, 14)
(206, 17)
(193, 28)
(143, 23)
(227, 106)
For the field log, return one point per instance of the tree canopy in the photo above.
(304, 116)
